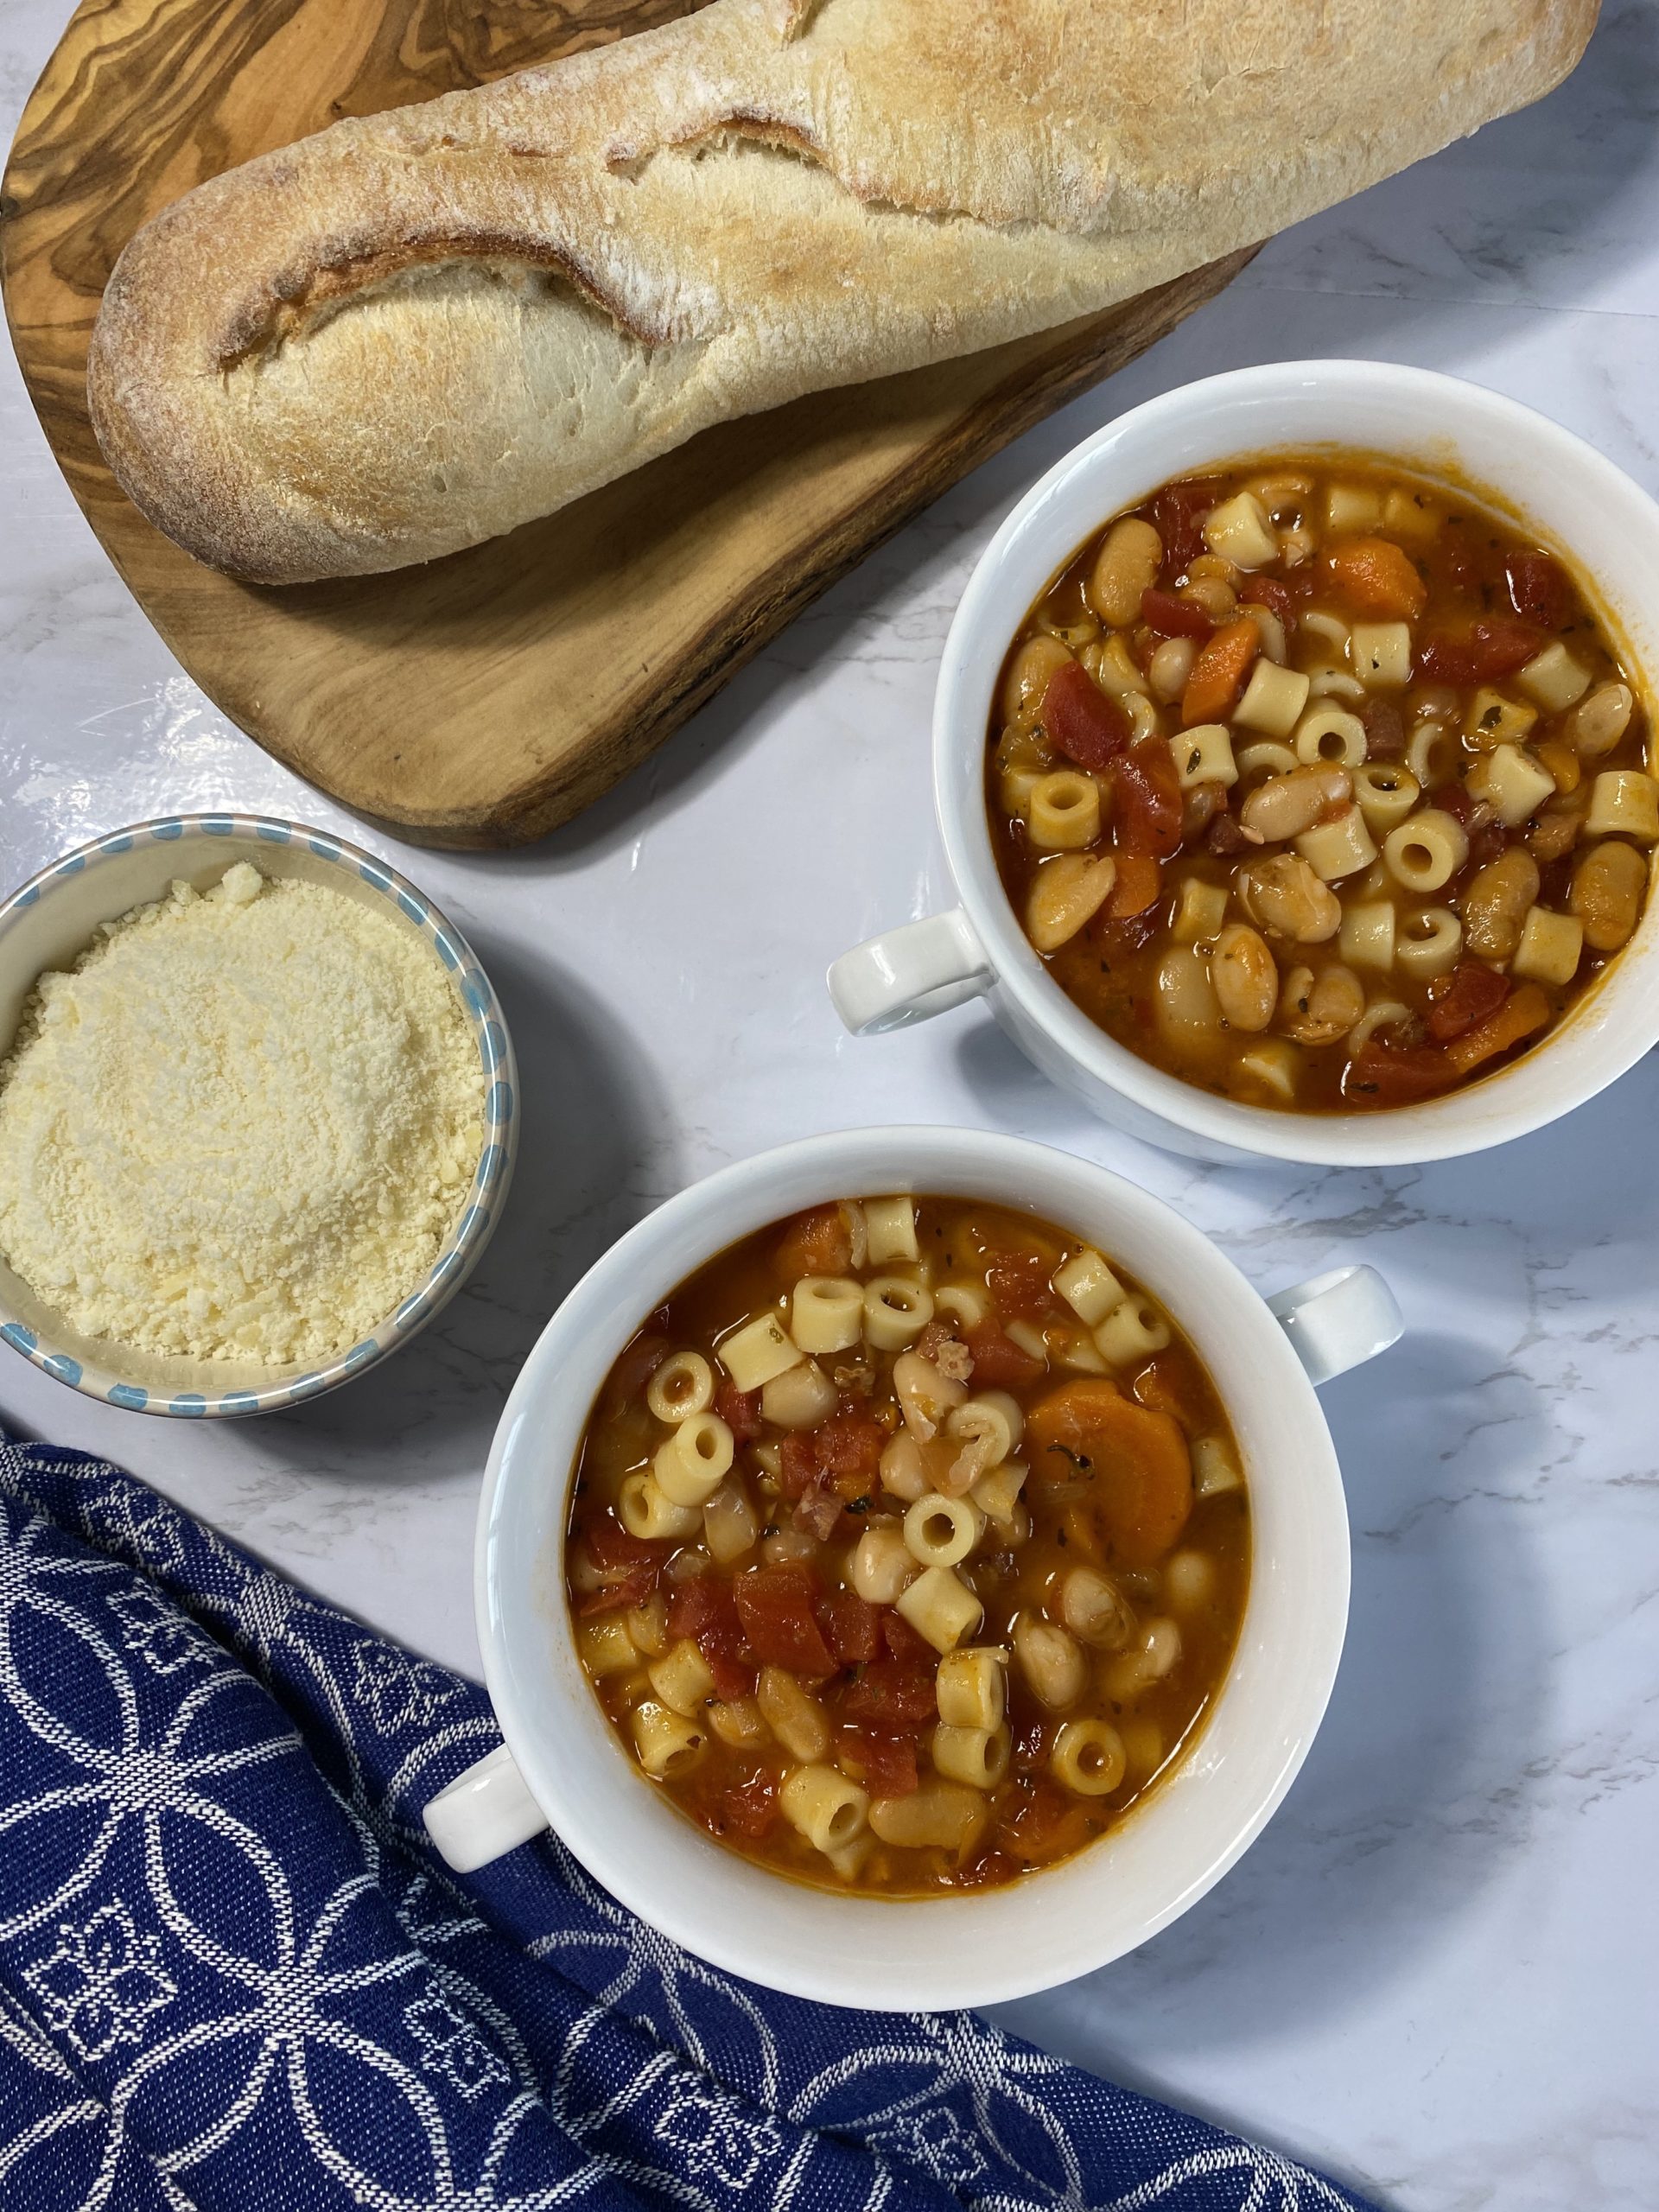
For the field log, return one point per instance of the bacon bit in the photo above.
(775, 1605)
(1494, 647)
(892, 1693)
(1169, 617)
(851, 1628)
(1378, 578)
(1523, 1012)
(1385, 729)
(628, 1565)
(906, 1646)
(1081, 721)
(635, 1366)
(1218, 673)
(750, 1806)
(1178, 512)
(954, 1361)
(1149, 798)
(818, 1243)
(1019, 1286)
(1465, 997)
(1226, 837)
(740, 1411)
(999, 1363)
(886, 1765)
(818, 1508)
(1539, 589)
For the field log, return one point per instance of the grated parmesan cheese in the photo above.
(241, 1127)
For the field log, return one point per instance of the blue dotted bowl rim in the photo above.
(475, 1217)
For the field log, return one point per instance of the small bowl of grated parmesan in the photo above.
(257, 1114)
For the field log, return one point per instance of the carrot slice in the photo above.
(1218, 673)
(1135, 887)
(1133, 1462)
(1376, 577)
(1521, 1013)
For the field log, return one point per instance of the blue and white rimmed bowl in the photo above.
(52, 920)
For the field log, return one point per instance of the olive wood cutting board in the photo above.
(483, 699)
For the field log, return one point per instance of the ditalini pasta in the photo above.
(909, 1544)
(1320, 785)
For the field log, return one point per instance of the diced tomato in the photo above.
(703, 1608)
(848, 1448)
(1385, 729)
(1467, 996)
(775, 1605)
(635, 1368)
(1523, 1012)
(1219, 671)
(1149, 799)
(698, 1602)
(1384, 1075)
(818, 1243)
(750, 1806)
(1019, 1283)
(852, 1629)
(798, 1464)
(903, 1644)
(1081, 721)
(740, 1411)
(1170, 617)
(1177, 513)
(1376, 577)
(818, 1508)
(1494, 646)
(1140, 880)
(892, 1695)
(886, 1764)
(999, 1363)
(1278, 595)
(1539, 589)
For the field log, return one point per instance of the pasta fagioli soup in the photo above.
(908, 1545)
(1320, 785)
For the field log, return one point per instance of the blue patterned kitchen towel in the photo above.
(233, 1976)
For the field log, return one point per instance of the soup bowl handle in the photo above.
(910, 974)
(1335, 1320)
(483, 1813)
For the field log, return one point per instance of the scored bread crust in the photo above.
(417, 330)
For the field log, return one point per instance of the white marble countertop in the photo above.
(1437, 1972)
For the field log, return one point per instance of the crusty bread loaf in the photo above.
(414, 331)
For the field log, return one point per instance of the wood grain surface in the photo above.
(481, 700)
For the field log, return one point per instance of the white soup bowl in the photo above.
(1551, 484)
(563, 1763)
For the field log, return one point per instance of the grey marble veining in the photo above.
(1437, 1970)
